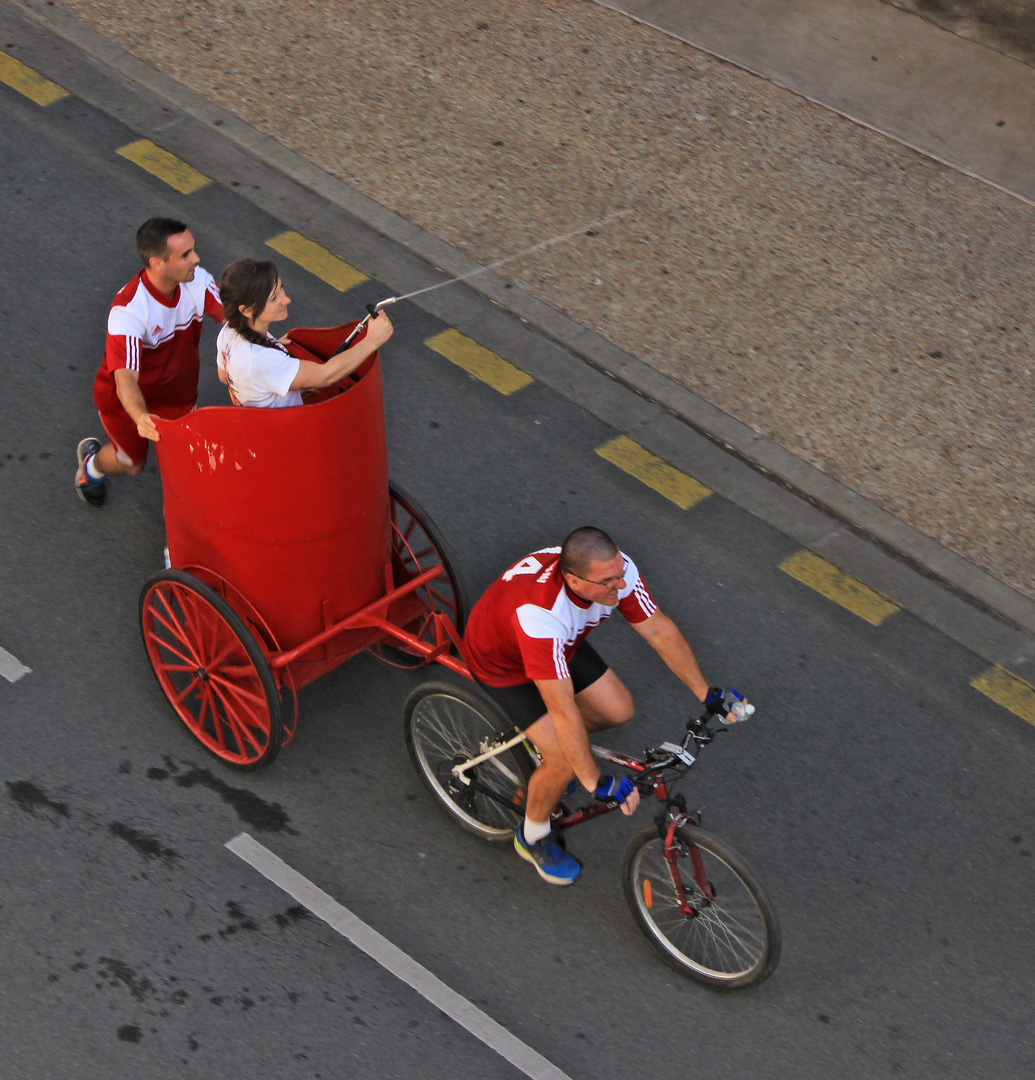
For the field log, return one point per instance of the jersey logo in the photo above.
(156, 330)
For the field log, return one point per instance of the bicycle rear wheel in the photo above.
(731, 938)
(446, 725)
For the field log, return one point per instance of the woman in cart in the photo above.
(257, 368)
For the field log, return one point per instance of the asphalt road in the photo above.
(883, 803)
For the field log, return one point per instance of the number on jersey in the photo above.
(529, 565)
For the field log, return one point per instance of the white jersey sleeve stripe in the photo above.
(559, 662)
(647, 606)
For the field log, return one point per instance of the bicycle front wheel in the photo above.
(728, 936)
(446, 725)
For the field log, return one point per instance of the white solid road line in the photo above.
(404, 967)
(11, 667)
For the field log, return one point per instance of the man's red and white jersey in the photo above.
(158, 337)
(529, 623)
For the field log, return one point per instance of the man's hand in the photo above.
(147, 427)
(619, 788)
(127, 386)
(729, 705)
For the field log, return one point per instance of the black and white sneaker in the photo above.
(91, 491)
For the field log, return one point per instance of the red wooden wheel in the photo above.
(211, 669)
(417, 545)
(259, 629)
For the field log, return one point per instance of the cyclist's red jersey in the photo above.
(157, 337)
(528, 624)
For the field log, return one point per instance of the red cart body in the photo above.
(290, 506)
(290, 553)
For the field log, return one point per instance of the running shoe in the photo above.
(91, 491)
(548, 856)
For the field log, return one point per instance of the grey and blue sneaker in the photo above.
(91, 491)
(548, 856)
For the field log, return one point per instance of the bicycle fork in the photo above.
(671, 855)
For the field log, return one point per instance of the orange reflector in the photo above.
(648, 896)
(519, 797)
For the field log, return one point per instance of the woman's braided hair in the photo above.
(248, 283)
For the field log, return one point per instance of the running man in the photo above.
(525, 641)
(151, 364)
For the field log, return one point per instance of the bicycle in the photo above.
(690, 893)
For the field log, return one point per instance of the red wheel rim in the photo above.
(207, 674)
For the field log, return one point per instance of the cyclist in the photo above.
(525, 642)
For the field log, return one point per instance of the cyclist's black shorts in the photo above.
(523, 704)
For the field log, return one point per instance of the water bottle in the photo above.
(739, 711)
(737, 708)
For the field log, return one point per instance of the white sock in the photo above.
(91, 470)
(535, 830)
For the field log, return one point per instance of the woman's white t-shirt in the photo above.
(257, 376)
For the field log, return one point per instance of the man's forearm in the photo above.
(573, 740)
(131, 397)
(570, 730)
(668, 642)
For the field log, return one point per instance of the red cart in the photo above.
(291, 552)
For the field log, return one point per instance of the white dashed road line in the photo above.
(11, 667)
(404, 967)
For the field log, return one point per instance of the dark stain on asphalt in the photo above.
(130, 1033)
(259, 814)
(239, 920)
(292, 915)
(117, 971)
(148, 846)
(29, 798)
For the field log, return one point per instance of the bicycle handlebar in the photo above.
(699, 733)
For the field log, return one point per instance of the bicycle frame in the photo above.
(651, 780)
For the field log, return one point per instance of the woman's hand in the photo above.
(379, 330)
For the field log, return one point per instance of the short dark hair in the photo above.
(585, 545)
(153, 237)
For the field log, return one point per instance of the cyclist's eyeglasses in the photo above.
(608, 582)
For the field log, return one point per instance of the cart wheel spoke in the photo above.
(190, 662)
(173, 625)
(228, 687)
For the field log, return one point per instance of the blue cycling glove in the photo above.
(618, 788)
(719, 702)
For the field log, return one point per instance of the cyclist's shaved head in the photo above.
(584, 546)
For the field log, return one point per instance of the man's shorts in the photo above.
(130, 446)
(523, 704)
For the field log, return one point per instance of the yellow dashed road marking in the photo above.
(168, 167)
(630, 457)
(28, 82)
(838, 586)
(317, 260)
(1009, 691)
(478, 361)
